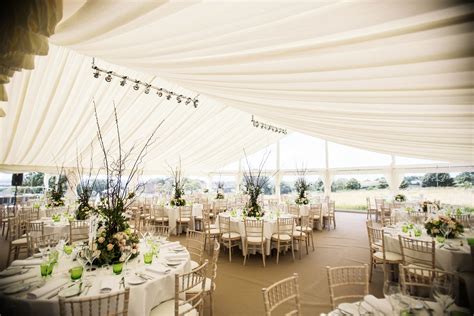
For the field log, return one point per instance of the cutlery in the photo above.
(143, 276)
(56, 292)
(88, 285)
(344, 312)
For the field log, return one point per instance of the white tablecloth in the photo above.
(143, 297)
(270, 227)
(173, 215)
(50, 227)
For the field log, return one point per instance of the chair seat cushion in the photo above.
(167, 308)
(160, 219)
(284, 237)
(389, 256)
(305, 229)
(21, 241)
(255, 240)
(230, 235)
(424, 273)
(197, 288)
(213, 231)
(184, 219)
(299, 234)
(316, 217)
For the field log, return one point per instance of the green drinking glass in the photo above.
(44, 269)
(148, 257)
(67, 249)
(76, 273)
(117, 267)
(50, 268)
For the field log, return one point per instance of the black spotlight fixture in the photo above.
(136, 86)
(123, 81)
(108, 78)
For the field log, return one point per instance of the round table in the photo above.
(51, 227)
(143, 297)
(448, 260)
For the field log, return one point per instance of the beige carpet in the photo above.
(239, 287)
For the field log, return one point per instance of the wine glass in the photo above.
(442, 290)
(393, 295)
(127, 253)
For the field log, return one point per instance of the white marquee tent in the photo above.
(393, 77)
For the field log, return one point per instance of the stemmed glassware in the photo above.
(393, 294)
(127, 253)
(443, 292)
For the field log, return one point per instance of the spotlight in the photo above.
(136, 86)
(147, 89)
(196, 103)
(109, 77)
(178, 98)
(96, 73)
(124, 81)
(168, 97)
(160, 93)
(188, 101)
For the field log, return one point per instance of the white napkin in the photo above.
(158, 269)
(15, 278)
(109, 284)
(381, 305)
(48, 288)
(176, 256)
(170, 244)
(27, 262)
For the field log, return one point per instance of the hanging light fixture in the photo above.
(123, 81)
(136, 86)
(108, 78)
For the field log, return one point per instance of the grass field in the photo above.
(356, 200)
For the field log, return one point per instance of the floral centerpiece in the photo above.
(444, 226)
(114, 238)
(400, 198)
(55, 195)
(254, 184)
(220, 190)
(301, 187)
(178, 187)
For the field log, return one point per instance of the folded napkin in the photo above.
(176, 256)
(170, 244)
(109, 284)
(27, 262)
(158, 269)
(380, 305)
(49, 288)
(16, 278)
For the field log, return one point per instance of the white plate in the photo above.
(451, 247)
(70, 291)
(135, 280)
(349, 308)
(13, 271)
(173, 263)
(179, 249)
(16, 288)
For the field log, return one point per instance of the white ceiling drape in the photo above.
(389, 76)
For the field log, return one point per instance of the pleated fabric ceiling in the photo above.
(393, 77)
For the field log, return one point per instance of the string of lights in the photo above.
(148, 87)
(268, 127)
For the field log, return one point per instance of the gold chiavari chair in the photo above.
(211, 275)
(378, 252)
(417, 281)
(464, 220)
(184, 217)
(379, 204)
(228, 237)
(113, 304)
(158, 215)
(370, 209)
(349, 283)
(284, 291)
(331, 215)
(182, 304)
(316, 211)
(78, 231)
(300, 235)
(284, 236)
(195, 244)
(254, 237)
(16, 243)
(308, 229)
(417, 253)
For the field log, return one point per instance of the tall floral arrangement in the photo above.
(254, 184)
(400, 198)
(178, 186)
(220, 190)
(302, 186)
(114, 237)
(55, 194)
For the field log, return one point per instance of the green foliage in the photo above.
(404, 184)
(56, 193)
(338, 185)
(33, 179)
(352, 184)
(285, 188)
(437, 180)
(301, 187)
(319, 186)
(382, 183)
(464, 179)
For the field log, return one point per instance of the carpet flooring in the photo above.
(239, 287)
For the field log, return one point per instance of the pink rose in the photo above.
(101, 240)
(110, 247)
